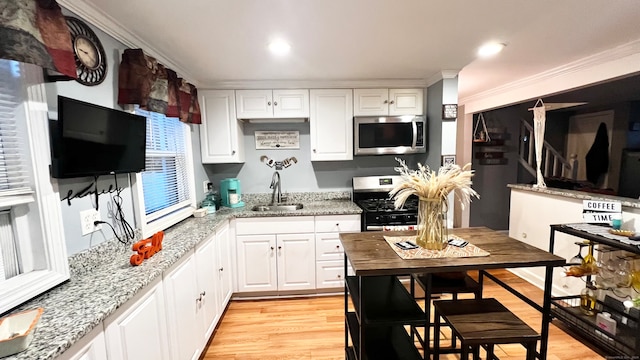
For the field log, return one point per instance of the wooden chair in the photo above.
(482, 322)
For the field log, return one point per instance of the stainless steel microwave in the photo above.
(378, 135)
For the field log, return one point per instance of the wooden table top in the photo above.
(370, 255)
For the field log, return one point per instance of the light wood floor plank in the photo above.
(312, 328)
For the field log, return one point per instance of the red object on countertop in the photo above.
(146, 248)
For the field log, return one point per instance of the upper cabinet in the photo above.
(331, 124)
(221, 134)
(266, 104)
(383, 102)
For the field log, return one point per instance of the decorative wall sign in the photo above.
(448, 160)
(449, 111)
(277, 140)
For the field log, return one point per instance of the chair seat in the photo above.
(484, 321)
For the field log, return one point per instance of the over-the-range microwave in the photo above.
(379, 135)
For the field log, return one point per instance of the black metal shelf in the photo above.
(383, 300)
(381, 343)
(626, 341)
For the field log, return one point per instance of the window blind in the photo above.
(165, 182)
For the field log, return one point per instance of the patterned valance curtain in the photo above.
(35, 32)
(145, 82)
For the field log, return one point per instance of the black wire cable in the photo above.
(118, 216)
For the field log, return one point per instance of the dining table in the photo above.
(376, 310)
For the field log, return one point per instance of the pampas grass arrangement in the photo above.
(432, 189)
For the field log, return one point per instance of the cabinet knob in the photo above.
(279, 247)
(339, 276)
(314, 150)
(524, 235)
(275, 103)
(203, 293)
(221, 269)
(337, 246)
(391, 102)
(272, 248)
(233, 152)
(385, 102)
(337, 224)
(269, 103)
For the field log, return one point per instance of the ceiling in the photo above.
(220, 42)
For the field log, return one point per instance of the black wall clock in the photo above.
(91, 62)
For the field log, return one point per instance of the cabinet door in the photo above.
(371, 102)
(182, 303)
(256, 263)
(331, 124)
(406, 101)
(329, 274)
(90, 347)
(254, 104)
(221, 135)
(296, 262)
(138, 329)
(291, 103)
(328, 247)
(224, 271)
(207, 292)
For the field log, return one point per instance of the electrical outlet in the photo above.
(87, 218)
(206, 185)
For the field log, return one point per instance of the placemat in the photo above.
(449, 252)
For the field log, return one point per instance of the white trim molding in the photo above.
(606, 65)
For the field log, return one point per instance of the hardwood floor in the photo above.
(313, 328)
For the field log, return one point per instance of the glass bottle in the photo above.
(589, 261)
(588, 299)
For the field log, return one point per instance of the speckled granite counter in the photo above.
(581, 195)
(102, 279)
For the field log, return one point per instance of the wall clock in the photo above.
(91, 62)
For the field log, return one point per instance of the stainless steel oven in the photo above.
(371, 194)
(378, 135)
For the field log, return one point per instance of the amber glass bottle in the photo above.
(588, 299)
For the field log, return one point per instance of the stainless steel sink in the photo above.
(277, 207)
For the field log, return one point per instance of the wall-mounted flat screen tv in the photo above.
(91, 140)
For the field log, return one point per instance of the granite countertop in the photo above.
(580, 195)
(102, 279)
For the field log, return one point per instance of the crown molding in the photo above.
(317, 84)
(616, 62)
(113, 28)
(441, 75)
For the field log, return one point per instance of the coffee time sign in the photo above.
(594, 211)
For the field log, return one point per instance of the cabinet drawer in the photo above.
(274, 225)
(329, 247)
(337, 223)
(330, 274)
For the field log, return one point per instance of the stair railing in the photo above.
(553, 164)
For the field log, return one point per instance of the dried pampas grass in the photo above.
(428, 184)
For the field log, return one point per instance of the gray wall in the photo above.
(104, 94)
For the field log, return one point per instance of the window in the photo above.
(32, 249)
(164, 191)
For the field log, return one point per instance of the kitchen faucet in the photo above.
(275, 185)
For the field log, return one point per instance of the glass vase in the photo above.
(432, 224)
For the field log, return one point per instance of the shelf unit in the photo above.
(382, 307)
(626, 341)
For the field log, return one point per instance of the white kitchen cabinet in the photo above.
(221, 134)
(224, 271)
(182, 303)
(192, 301)
(138, 329)
(266, 104)
(90, 347)
(391, 102)
(275, 253)
(331, 124)
(329, 251)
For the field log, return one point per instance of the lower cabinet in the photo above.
(329, 252)
(90, 347)
(276, 262)
(138, 329)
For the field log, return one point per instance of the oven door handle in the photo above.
(414, 127)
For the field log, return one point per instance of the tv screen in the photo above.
(91, 140)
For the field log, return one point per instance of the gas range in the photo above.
(371, 194)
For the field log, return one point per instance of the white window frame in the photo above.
(163, 219)
(49, 264)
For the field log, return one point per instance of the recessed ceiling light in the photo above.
(279, 47)
(490, 49)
